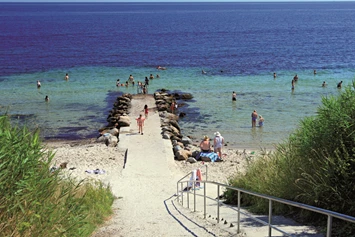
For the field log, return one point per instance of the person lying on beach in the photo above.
(205, 145)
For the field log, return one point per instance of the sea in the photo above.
(239, 46)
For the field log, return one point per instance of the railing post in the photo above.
(188, 195)
(204, 201)
(206, 173)
(270, 216)
(182, 194)
(217, 203)
(238, 228)
(194, 195)
(329, 226)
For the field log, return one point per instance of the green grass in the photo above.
(36, 202)
(316, 166)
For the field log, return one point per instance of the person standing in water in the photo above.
(38, 84)
(254, 117)
(47, 98)
(339, 84)
(234, 96)
(66, 77)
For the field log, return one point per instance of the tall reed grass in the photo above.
(316, 165)
(36, 202)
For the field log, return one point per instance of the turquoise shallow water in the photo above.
(79, 107)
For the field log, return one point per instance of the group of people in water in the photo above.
(46, 98)
(142, 87)
(254, 115)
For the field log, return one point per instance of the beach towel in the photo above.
(199, 177)
(192, 178)
(97, 171)
(211, 155)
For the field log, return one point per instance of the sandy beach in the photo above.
(145, 186)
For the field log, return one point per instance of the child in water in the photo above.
(261, 121)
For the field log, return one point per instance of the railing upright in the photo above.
(204, 201)
(194, 185)
(270, 217)
(218, 203)
(329, 226)
(238, 228)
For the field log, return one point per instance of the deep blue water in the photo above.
(99, 42)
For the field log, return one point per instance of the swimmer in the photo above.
(66, 77)
(118, 83)
(324, 84)
(161, 68)
(47, 98)
(295, 77)
(339, 84)
(158, 76)
(38, 84)
(203, 72)
(234, 96)
(274, 74)
(130, 79)
(314, 71)
(151, 76)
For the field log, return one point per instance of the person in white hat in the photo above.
(218, 143)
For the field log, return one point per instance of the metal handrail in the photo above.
(328, 213)
(188, 174)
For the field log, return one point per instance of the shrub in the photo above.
(36, 202)
(315, 165)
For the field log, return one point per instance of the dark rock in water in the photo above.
(182, 114)
(186, 96)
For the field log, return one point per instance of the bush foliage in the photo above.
(315, 165)
(36, 202)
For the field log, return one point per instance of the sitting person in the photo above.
(205, 145)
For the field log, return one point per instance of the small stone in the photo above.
(231, 225)
(225, 222)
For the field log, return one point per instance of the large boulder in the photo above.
(167, 135)
(182, 154)
(186, 140)
(186, 96)
(111, 141)
(124, 121)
